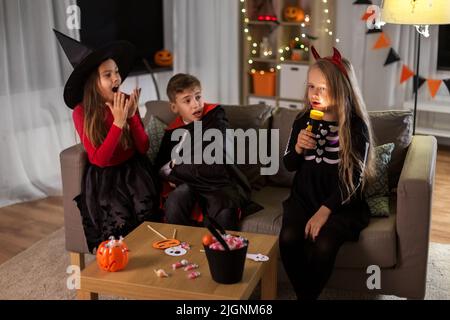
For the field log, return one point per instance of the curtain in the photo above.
(35, 124)
(380, 84)
(206, 44)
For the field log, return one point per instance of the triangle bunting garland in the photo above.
(406, 74)
(392, 57)
(421, 82)
(447, 84)
(366, 15)
(433, 86)
(362, 2)
(382, 42)
(374, 30)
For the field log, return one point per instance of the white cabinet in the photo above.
(290, 104)
(293, 81)
(258, 100)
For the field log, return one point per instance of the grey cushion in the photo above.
(376, 245)
(159, 109)
(377, 192)
(250, 117)
(396, 127)
(155, 130)
(268, 220)
(283, 119)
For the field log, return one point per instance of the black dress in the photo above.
(316, 183)
(115, 200)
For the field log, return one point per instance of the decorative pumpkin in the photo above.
(163, 58)
(294, 14)
(112, 255)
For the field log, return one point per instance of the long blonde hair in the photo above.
(94, 114)
(345, 95)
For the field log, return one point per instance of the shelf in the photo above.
(275, 98)
(302, 62)
(262, 23)
(263, 97)
(294, 24)
(433, 132)
(264, 60)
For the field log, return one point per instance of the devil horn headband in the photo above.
(336, 59)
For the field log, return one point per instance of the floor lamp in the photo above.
(420, 13)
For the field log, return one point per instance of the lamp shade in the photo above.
(418, 12)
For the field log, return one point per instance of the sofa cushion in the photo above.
(250, 117)
(396, 127)
(282, 120)
(155, 130)
(376, 245)
(159, 109)
(377, 192)
(268, 220)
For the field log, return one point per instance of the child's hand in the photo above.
(305, 140)
(119, 109)
(134, 102)
(316, 223)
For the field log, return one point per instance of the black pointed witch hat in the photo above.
(85, 60)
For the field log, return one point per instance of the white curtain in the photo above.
(380, 84)
(206, 44)
(35, 124)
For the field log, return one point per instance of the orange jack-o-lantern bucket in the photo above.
(112, 255)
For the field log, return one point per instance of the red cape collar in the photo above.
(178, 122)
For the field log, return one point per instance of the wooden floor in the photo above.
(23, 224)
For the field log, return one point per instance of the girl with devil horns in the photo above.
(119, 188)
(325, 207)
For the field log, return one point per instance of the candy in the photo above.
(180, 264)
(161, 273)
(233, 243)
(185, 245)
(190, 267)
(194, 275)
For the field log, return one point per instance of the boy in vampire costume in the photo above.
(193, 187)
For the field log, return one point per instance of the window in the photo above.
(444, 48)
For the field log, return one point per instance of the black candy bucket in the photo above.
(226, 266)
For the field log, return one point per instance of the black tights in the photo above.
(308, 264)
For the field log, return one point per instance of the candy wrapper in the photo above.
(233, 242)
(180, 264)
(193, 275)
(161, 273)
(190, 267)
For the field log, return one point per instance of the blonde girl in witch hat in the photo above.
(119, 188)
(326, 206)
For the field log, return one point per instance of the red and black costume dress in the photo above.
(119, 188)
(222, 190)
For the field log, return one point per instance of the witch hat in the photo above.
(85, 60)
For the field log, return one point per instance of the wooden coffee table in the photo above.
(138, 280)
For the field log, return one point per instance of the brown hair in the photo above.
(94, 114)
(180, 82)
(345, 95)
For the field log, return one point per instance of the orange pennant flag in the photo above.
(367, 15)
(433, 86)
(406, 74)
(382, 42)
